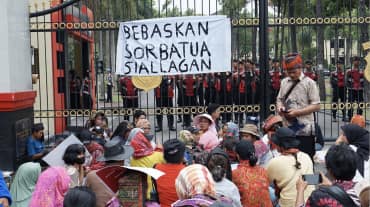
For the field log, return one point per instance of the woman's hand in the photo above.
(301, 185)
(325, 180)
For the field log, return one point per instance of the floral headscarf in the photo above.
(51, 187)
(194, 180)
(187, 138)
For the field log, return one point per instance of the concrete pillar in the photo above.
(16, 94)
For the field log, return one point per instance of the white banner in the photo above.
(173, 46)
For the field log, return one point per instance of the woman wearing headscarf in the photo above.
(209, 138)
(196, 187)
(50, 188)
(24, 183)
(358, 138)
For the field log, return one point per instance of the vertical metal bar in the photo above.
(264, 55)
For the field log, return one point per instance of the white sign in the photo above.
(174, 46)
(55, 157)
(149, 171)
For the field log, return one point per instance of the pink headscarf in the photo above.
(51, 187)
(142, 146)
(209, 139)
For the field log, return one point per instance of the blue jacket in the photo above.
(4, 192)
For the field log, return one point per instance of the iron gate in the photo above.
(77, 38)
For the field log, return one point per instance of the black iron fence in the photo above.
(74, 45)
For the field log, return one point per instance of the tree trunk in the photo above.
(276, 40)
(336, 45)
(254, 34)
(282, 33)
(293, 31)
(320, 53)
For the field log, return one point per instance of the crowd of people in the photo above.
(240, 87)
(209, 164)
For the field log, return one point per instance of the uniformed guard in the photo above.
(339, 92)
(200, 89)
(189, 85)
(309, 72)
(276, 76)
(209, 89)
(163, 97)
(254, 75)
(355, 84)
(225, 92)
(180, 95)
(129, 94)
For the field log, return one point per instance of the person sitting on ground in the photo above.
(145, 156)
(122, 131)
(138, 115)
(145, 125)
(173, 151)
(50, 188)
(195, 187)
(100, 121)
(219, 166)
(229, 146)
(5, 197)
(250, 178)
(208, 139)
(187, 138)
(341, 165)
(74, 158)
(283, 171)
(115, 152)
(95, 147)
(269, 127)
(80, 196)
(359, 140)
(195, 132)
(35, 143)
(229, 130)
(250, 133)
(24, 183)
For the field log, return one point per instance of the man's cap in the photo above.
(292, 61)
